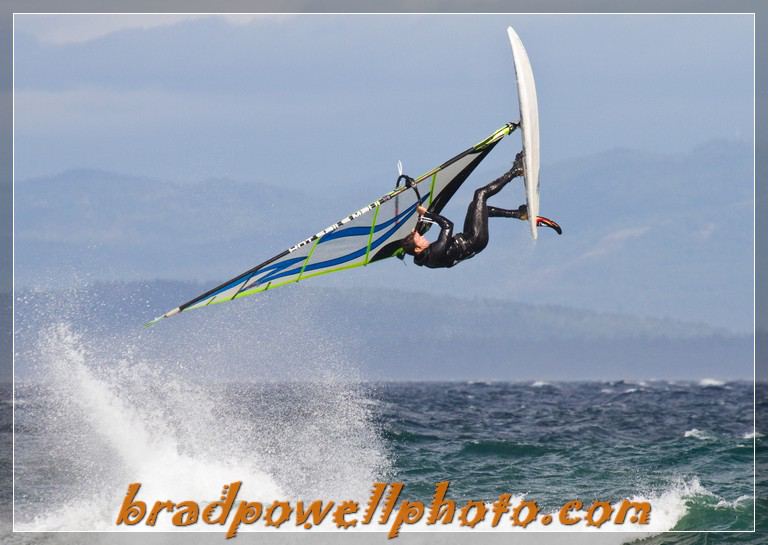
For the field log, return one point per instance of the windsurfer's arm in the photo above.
(446, 229)
(435, 253)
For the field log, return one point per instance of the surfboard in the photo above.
(529, 124)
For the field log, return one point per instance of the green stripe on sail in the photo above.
(370, 235)
(309, 255)
(344, 268)
(269, 286)
(294, 280)
(273, 285)
(432, 189)
(495, 137)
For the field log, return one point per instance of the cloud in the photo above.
(63, 29)
(615, 241)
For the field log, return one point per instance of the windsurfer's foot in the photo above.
(546, 222)
(517, 166)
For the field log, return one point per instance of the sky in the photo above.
(277, 96)
(326, 105)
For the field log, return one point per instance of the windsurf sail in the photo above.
(370, 234)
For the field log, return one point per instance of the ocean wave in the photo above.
(669, 505)
(185, 440)
(505, 448)
(735, 504)
(404, 436)
(697, 434)
(711, 383)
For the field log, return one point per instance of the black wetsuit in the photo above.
(448, 250)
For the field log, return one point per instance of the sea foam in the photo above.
(116, 419)
(697, 434)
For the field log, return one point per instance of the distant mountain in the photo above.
(103, 225)
(712, 182)
(644, 233)
(384, 334)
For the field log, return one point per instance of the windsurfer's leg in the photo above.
(494, 212)
(476, 221)
(498, 184)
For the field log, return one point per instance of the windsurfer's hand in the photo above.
(420, 210)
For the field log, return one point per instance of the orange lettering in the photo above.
(605, 514)
(131, 512)
(500, 508)
(642, 507)
(409, 513)
(345, 508)
(247, 513)
(532, 512)
(479, 508)
(373, 503)
(228, 495)
(394, 493)
(188, 509)
(285, 513)
(565, 520)
(440, 507)
(159, 506)
(315, 509)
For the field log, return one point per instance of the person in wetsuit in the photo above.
(450, 249)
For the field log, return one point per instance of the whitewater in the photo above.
(101, 414)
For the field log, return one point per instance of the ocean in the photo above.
(686, 447)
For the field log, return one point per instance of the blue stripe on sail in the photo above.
(345, 258)
(348, 232)
(275, 267)
(360, 231)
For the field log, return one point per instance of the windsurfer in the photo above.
(450, 249)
